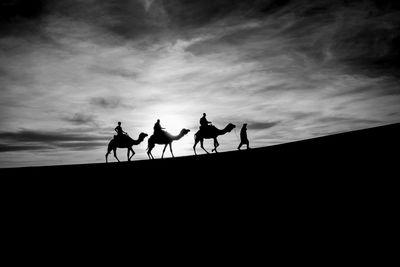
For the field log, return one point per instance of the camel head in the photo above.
(184, 131)
(230, 127)
(142, 136)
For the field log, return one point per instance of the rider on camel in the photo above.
(120, 132)
(157, 128)
(204, 122)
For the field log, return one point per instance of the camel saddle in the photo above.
(121, 138)
(207, 129)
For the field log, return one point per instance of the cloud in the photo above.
(123, 73)
(361, 35)
(70, 146)
(10, 148)
(330, 120)
(81, 119)
(17, 16)
(46, 136)
(112, 102)
(253, 125)
(147, 4)
(81, 146)
(106, 103)
(33, 140)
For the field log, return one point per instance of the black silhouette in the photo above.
(204, 122)
(243, 137)
(157, 128)
(120, 132)
(163, 138)
(124, 141)
(208, 133)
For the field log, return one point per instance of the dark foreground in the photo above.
(321, 199)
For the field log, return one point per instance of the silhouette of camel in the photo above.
(211, 132)
(164, 138)
(128, 142)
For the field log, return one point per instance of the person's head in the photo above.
(245, 125)
(119, 123)
(158, 121)
(204, 114)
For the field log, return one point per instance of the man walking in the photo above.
(243, 137)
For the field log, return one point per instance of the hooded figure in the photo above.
(157, 128)
(243, 137)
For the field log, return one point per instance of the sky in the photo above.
(292, 70)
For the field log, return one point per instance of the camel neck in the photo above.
(177, 137)
(223, 131)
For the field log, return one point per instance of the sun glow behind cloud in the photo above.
(286, 75)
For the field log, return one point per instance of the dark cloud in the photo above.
(190, 13)
(30, 140)
(81, 119)
(12, 9)
(254, 125)
(18, 17)
(303, 115)
(81, 146)
(75, 146)
(10, 148)
(364, 35)
(44, 136)
(111, 102)
(121, 72)
(123, 18)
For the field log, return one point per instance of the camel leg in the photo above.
(216, 144)
(109, 148)
(149, 149)
(194, 147)
(150, 155)
(115, 155)
(164, 150)
(201, 145)
(108, 152)
(128, 154)
(133, 153)
(170, 148)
